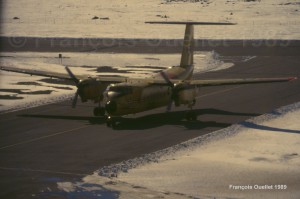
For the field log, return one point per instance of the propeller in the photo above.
(77, 83)
(166, 78)
(173, 87)
(73, 77)
(74, 102)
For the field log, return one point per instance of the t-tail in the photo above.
(187, 55)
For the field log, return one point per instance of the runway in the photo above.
(48, 144)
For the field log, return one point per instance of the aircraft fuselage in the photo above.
(129, 97)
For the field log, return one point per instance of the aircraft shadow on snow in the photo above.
(266, 128)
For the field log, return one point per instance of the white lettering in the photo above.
(263, 187)
(240, 187)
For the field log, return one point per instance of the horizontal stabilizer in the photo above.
(189, 23)
(219, 82)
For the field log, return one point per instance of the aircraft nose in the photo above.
(111, 107)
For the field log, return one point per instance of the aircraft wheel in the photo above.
(99, 111)
(114, 124)
(191, 116)
(110, 122)
(96, 111)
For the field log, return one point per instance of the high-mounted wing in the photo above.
(65, 76)
(37, 72)
(162, 81)
(219, 82)
(81, 82)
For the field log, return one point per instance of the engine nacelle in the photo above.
(91, 89)
(185, 96)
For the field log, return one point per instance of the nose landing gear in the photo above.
(99, 111)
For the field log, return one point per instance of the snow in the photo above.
(265, 19)
(9, 80)
(262, 152)
(252, 157)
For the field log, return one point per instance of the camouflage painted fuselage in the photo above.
(133, 97)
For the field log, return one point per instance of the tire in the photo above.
(99, 111)
(191, 116)
(96, 112)
(112, 124)
(108, 124)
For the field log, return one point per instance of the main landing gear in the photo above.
(99, 111)
(111, 122)
(191, 115)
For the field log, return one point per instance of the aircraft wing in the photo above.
(200, 83)
(65, 76)
(36, 72)
(219, 82)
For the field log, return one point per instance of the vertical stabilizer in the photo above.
(187, 58)
(187, 55)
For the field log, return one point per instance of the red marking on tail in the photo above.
(292, 78)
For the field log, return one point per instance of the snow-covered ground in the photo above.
(16, 89)
(262, 153)
(256, 19)
(258, 158)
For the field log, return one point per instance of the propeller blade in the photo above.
(166, 78)
(74, 78)
(74, 102)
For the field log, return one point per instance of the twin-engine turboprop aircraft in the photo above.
(119, 96)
